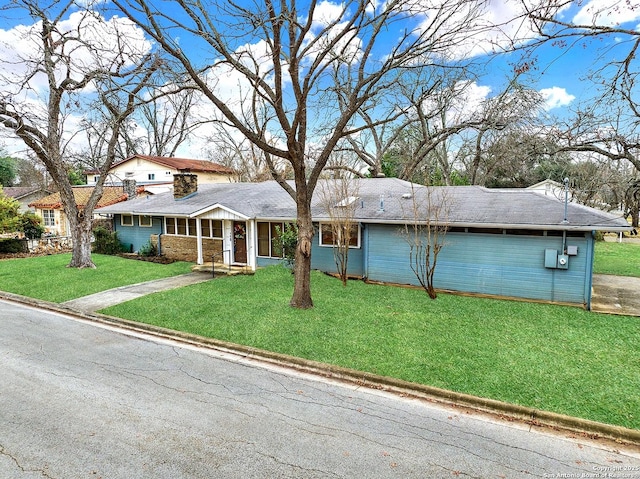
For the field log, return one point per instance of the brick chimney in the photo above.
(184, 184)
(129, 187)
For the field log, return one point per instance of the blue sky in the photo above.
(558, 73)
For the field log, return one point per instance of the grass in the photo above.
(47, 278)
(621, 259)
(550, 357)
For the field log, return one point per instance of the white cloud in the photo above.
(471, 100)
(471, 29)
(556, 97)
(607, 14)
(326, 13)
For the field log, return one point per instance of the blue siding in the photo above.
(136, 235)
(322, 258)
(497, 264)
(264, 261)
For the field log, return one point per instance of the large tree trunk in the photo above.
(80, 231)
(302, 267)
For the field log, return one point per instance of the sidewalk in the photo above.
(104, 299)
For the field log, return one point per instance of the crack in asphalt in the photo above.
(296, 467)
(43, 472)
(370, 409)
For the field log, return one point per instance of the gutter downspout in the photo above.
(565, 221)
(589, 277)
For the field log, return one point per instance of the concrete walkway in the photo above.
(616, 294)
(104, 299)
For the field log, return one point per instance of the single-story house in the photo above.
(25, 195)
(159, 170)
(51, 209)
(503, 242)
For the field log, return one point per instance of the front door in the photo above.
(239, 242)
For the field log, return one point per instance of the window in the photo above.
(129, 174)
(126, 220)
(170, 226)
(263, 239)
(151, 176)
(211, 228)
(268, 244)
(48, 217)
(181, 226)
(145, 221)
(189, 227)
(276, 247)
(327, 236)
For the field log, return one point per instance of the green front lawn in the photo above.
(555, 358)
(47, 278)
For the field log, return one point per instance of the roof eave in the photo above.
(544, 227)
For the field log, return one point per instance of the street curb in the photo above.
(531, 416)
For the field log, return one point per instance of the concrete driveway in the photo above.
(616, 295)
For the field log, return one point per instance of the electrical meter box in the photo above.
(563, 261)
(550, 258)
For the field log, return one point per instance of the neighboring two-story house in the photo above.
(156, 172)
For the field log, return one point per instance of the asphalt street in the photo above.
(78, 400)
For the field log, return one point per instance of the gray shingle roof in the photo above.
(387, 200)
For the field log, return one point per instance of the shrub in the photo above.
(13, 245)
(9, 216)
(31, 225)
(107, 242)
(287, 241)
(148, 249)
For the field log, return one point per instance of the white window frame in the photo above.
(49, 217)
(282, 224)
(144, 224)
(175, 226)
(211, 229)
(328, 225)
(151, 176)
(175, 219)
(122, 222)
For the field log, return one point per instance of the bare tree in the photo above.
(610, 124)
(290, 62)
(401, 139)
(163, 123)
(608, 131)
(68, 58)
(339, 199)
(231, 149)
(425, 235)
(513, 112)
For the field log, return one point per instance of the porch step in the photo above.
(222, 269)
